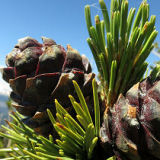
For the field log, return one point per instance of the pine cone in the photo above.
(132, 126)
(40, 73)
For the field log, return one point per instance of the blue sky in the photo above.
(62, 20)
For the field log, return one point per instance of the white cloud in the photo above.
(4, 87)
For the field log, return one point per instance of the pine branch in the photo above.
(121, 50)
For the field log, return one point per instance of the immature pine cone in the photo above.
(40, 73)
(132, 126)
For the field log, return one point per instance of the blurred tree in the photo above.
(157, 49)
(156, 46)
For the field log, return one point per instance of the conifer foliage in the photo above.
(120, 44)
(128, 127)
